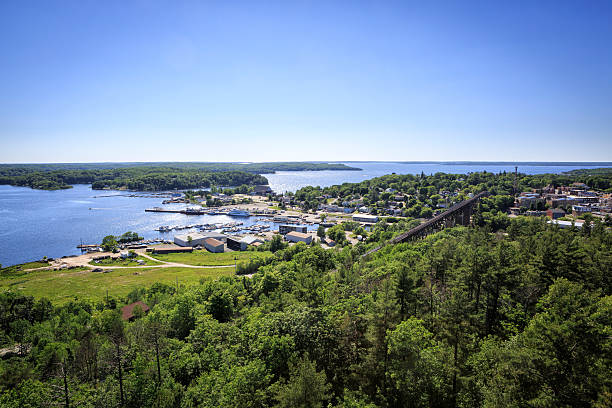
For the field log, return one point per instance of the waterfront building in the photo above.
(298, 237)
(285, 229)
(214, 245)
(191, 239)
(372, 219)
(236, 244)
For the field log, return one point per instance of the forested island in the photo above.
(149, 176)
(508, 312)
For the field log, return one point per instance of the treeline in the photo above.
(422, 194)
(464, 318)
(269, 167)
(136, 178)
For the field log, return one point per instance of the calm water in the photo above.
(36, 223)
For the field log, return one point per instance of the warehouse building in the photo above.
(214, 245)
(251, 240)
(365, 218)
(192, 239)
(236, 244)
(285, 229)
(298, 237)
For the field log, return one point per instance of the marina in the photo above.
(80, 213)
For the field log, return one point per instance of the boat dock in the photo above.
(189, 211)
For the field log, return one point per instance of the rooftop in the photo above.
(127, 311)
(213, 242)
(297, 234)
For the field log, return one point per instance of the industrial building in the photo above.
(298, 237)
(192, 239)
(285, 229)
(365, 218)
(171, 249)
(236, 244)
(251, 240)
(214, 245)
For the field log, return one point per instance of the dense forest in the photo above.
(149, 176)
(482, 316)
(136, 178)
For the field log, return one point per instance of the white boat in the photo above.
(239, 213)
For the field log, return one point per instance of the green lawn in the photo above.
(124, 262)
(63, 286)
(203, 257)
(17, 270)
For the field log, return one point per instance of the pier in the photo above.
(187, 211)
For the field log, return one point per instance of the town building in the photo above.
(578, 210)
(372, 219)
(554, 213)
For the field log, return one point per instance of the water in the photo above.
(293, 180)
(37, 223)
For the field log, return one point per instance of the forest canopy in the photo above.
(467, 317)
(149, 176)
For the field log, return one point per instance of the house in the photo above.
(126, 255)
(214, 245)
(365, 218)
(127, 311)
(330, 208)
(329, 242)
(285, 229)
(294, 236)
(262, 190)
(172, 249)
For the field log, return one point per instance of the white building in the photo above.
(251, 239)
(190, 239)
(365, 218)
(214, 245)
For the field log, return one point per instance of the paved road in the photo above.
(83, 261)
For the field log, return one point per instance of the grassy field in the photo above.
(62, 286)
(17, 270)
(124, 262)
(203, 257)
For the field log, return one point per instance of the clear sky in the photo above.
(88, 81)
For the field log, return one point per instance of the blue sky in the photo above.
(87, 81)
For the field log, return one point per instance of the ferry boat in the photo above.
(239, 213)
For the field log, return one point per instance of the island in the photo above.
(151, 176)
